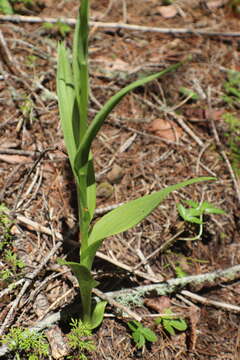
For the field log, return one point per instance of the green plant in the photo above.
(79, 339)
(58, 27)
(170, 324)
(195, 212)
(233, 138)
(73, 93)
(141, 334)
(26, 344)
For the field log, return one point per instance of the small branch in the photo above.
(210, 302)
(173, 285)
(132, 27)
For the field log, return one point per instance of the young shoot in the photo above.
(79, 133)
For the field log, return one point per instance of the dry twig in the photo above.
(132, 27)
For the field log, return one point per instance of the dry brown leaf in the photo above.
(159, 304)
(14, 159)
(167, 11)
(166, 129)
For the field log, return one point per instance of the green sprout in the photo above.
(195, 212)
(79, 339)
(141, 334)
(171, 324)
(79, 133)
(26, 344)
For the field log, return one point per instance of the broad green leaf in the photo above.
(67, 105)
(149, 334)
(179, 324)
(168, 327)
(97, 314)
(130, 214)
(94, 127)
(138, 338)
(133, 325)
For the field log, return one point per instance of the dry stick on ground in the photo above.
(70, 21)
(210, 302)
(222, 152)
(173, 285)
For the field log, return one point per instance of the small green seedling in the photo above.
(141, 334)
(194, 214)
(79, 133)
(26, 344)
(171, 324)
(79, 339)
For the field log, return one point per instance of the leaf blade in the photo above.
(130, 214)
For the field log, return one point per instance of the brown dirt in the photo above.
(44, 191)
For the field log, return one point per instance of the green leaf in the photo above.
(94, 127)
(190, 215)
(210, 209)
(179, 324)
(149, 334)
(139, 339)
(86, 284)
(192, 203)
(130, 214)
(98, 314)
(67, 104)
(6, 7)
(91, 187)
(134, 325)
(80, 67)
(168, 327)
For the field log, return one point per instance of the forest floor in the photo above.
(184, 125)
